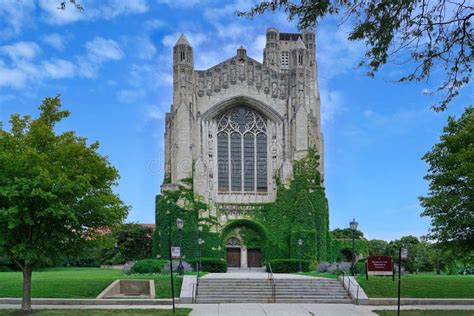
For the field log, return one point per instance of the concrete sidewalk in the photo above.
(262, 309)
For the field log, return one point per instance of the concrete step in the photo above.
(261, 291)
(270, 300)
(269, 292)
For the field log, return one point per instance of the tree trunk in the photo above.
(26, 300)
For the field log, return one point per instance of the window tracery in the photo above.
(242, 151)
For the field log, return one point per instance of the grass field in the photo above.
(427, 313)
(420, 286)
(77, 283)
(99, 312)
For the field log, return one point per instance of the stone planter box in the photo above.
(129, 289)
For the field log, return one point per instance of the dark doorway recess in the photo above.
(233, 257)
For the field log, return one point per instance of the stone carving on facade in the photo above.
(273, 90)
(233, 242)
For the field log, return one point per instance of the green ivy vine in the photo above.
(300, 211)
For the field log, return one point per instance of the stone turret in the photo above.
(271, 53)
(182, 110)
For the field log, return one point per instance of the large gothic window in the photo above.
(242, 151)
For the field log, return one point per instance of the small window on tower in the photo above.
(182, 56)
(300, 60)
(285, 56)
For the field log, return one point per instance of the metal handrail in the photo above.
(271, 277)
(349, 286)
(197, 280)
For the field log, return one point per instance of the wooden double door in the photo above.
(254, 258)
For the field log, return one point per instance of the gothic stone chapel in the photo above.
(244, 157)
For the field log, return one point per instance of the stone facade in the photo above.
(282, 92)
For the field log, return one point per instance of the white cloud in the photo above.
(86, 68)
(59, 68)
(93, 10)
(101, 49)
(24, 66)
(55, 40)
(332, 102)
(53, 15)
(21, 50)
(14, 15)
(154, 24)
(155, 112)
(228, 10)
(400, 119)
(335, 53)
(145, 47)
(11, 77)
(181, 3)
(130, 95)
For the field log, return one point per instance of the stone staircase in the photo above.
(310, 290)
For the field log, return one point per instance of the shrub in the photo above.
(148, 266)
(83, 263)
(288, 265)
(187, 266)
(334, 267)
(360, 266)
(211, 264)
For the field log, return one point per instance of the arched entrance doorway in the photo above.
(244, 241)
(234, 253)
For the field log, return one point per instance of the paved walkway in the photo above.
(262, 309)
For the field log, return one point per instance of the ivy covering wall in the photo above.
(361, 248)
(300, 211)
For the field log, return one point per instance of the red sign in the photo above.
(379, 265)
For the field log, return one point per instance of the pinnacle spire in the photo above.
(300, 43)
(183, 40)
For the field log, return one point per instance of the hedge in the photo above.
(82, 263)
(211, 264)
(288, 265)
(148, 266)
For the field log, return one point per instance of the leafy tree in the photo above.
(433, 33)
(408, 242)
(346, 233)
(132, 242)
(450, 201)
(377, 247)
(55, 192)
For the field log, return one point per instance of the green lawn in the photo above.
(420, 286)
(426, 313)
(100, 312)
(77, 283)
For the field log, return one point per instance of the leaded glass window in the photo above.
(242, 151)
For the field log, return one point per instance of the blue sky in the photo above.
(112, 66)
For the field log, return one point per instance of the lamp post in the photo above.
(300, 243)
(180, 224)
(171, 261)
(353, 225)
(200, 243)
